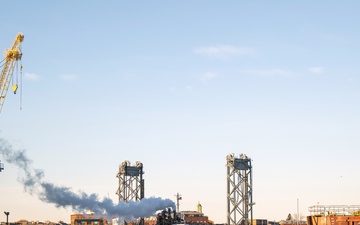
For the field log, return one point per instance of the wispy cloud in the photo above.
(68, 77)
(31, 76)
(176, 89)
(208, 76)
(225, 51)
(270, 73)
(316, 70)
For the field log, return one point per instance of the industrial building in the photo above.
(87, 219)
(334, 215)
(196, 217)
(171, 217)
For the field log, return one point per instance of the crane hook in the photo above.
(14, 87)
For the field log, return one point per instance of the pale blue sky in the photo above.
(179, 85)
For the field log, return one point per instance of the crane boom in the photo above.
(12, 56)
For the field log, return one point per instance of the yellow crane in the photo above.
(11, 58)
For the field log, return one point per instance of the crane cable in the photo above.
(21, 85)
(20, 80)
(14, 80)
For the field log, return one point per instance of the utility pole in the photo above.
(298, 216)
(178, 197)
(7, 217)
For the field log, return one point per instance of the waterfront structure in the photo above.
(239, 190)
(334, 215)
(131, 182)
(333, 220)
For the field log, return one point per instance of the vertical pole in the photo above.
(178, 197)
(7, 217)
(228, 193)
(298, 216)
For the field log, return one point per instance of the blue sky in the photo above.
(179, 85)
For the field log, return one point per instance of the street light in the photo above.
(7, 217)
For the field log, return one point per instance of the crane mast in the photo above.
(11, 58)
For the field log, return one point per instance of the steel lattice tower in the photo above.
(131, 183)
(239, 190)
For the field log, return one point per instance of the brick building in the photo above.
(196, 217)
(87, 219)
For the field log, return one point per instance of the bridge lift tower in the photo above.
(239, 190)
(131, 183)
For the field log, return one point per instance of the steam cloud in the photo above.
(63, 197)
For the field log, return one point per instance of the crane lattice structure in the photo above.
(131, 183)
(10, 61)
(239, 190)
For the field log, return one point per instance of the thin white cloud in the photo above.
(31, 76)
(316, 70)
(68, 77)
(189, 87)
(225, 51)
(270, 73)
(209, 76)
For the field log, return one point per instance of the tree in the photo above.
(299, 217)
(289, 217)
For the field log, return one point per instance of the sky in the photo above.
(178, 86)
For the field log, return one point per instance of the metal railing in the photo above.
(328, 210)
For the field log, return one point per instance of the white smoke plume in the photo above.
(80, 202)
